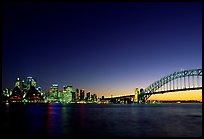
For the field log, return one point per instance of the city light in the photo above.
(185, 80)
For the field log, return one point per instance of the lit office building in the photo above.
(60, 94)
(67, 94)
(54, 91)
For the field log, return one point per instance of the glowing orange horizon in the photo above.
(182, 95)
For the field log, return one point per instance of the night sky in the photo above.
(105, 48)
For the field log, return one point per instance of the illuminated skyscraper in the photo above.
(54, 90)
(67, 94)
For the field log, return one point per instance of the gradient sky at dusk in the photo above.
(107, 48)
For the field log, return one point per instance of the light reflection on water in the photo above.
(104, 120)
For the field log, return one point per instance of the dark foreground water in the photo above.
(101, 120)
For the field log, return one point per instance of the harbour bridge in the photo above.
(183, 80)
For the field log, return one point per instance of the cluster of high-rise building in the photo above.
(27, 91)
(68, 95)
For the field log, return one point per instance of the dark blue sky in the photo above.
(107, 48)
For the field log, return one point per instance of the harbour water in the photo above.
(101, 120)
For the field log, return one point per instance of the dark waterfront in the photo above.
(101, 120)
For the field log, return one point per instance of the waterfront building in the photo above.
(33, 95)
(28, 92)
(74, 97)
(94, 97)
(7, 92)
(60, 96)
(40, 91)
(52, 95)
(16, 95)
(77, 94)
(103, 97)
(67, 93)
(54, 90)
(60, 93)
(88, 96)
(82, 94)
(27, 84)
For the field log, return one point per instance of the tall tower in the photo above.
(67, 93)
(94, 97)
(88, 96)
(77, 94)
(82, 94)
(136, 99)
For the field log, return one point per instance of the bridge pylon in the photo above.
(139, 96)
(136, 98)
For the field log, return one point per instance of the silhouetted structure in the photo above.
(16, 95)
(33, 95)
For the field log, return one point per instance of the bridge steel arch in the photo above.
(151, 89)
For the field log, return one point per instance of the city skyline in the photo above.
(105, 48)
(194, 95)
